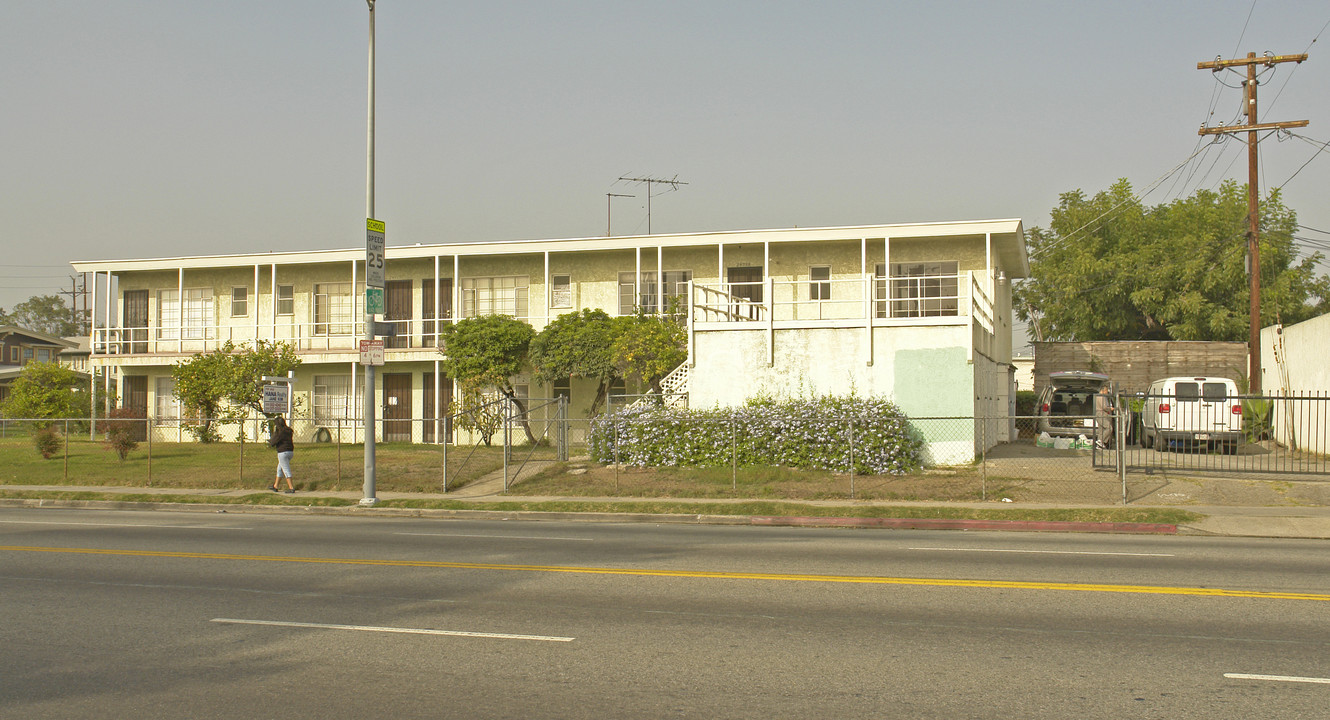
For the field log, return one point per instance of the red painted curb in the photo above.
(952, 524)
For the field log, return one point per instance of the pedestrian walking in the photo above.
(282, 440)
(1103, 415)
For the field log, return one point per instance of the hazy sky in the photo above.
(156, 128)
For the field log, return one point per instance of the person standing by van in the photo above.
(282, 440)
(1103, 415)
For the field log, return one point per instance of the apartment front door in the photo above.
(397, 306)
(745, 283)
(433, 424)
(135, 321)
(135, 400)
(397, 407)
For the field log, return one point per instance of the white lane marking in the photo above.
(407, 631)
(501, 537)
(1044, 552)
(1278, 678)
(143, 525)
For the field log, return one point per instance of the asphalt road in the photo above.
(163, 614)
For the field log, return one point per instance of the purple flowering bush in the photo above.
(827, 433)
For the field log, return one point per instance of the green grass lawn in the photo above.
(400, 467)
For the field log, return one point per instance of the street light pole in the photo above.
(370, 497)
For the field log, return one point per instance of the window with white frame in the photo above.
(333, 400)
(286, 299)
(44, 355)
(333, 311)
(188, 320)
(676, 286)
(166, 406)
(495, 296)
(239, 301)
(920, 289)
(561, 291)
(819, 282)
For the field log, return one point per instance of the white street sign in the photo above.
(375, 246)
(371, 352)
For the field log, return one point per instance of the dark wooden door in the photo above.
(429, 309)
(135, 399)
(746, 283)
(434, 425)
(397, 407)
(134, 319)
(397, 306)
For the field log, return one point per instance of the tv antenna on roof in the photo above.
(673, 182)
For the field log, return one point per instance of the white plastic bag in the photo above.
(1044, 440)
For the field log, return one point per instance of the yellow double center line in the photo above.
(704, 574)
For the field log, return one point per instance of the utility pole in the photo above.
(78, 289)
(674, 184)
(1252, 128)
(608, 198)
(370, 492)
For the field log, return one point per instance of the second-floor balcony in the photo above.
(868, 301)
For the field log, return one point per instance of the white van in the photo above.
(1192, 411)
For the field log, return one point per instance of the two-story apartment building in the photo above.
(918, 313)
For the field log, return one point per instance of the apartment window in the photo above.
(923, 289)
(191, 319)
(676, 286)
(495, 296)
(167, 405)
(13, 355)
(239, 301)
(27, 355)
(561, 291)
(332, 309)
(333, 400)
(286, 299)
(562, 388)
(819, 282)
(43, 355)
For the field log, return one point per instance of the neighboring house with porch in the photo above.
(20, 346)
(919, 313)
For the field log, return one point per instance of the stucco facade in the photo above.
(920, 314)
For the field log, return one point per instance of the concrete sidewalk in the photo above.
(1311, 522)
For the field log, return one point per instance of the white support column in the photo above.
(355, 298)
(867, 281)
(438, 317)
(256, 305)
(549, 296)
(180, 309)
(457, 287)
(660, 280)
(352, 399)
(440, 427)
(272, 281)
(720, 269)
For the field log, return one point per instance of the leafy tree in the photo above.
(578, 344)
(1109, 268)
(46, 314)
(477, 414)
(48, 390)
(649, 347)
(227, 383)
(488, 351)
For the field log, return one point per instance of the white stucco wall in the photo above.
(1293, 363)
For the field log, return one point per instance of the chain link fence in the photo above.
(488, 448)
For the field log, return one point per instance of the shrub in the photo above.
(828, 433)
(47, 441)
(121, 429)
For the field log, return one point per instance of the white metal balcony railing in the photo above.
(864, 300)
(856, 299)
(333, 336)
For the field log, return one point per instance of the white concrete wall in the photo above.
(1293, 362)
